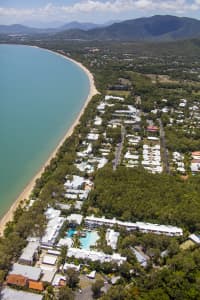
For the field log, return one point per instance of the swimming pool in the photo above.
(71, 232)
(90, 240)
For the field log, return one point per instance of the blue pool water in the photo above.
(90, 240)
(71, 232)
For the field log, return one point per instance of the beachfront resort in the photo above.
(87, 244)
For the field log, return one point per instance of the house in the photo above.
(195, 165)
(29, 253)
(18, 280)
(141, 257)
(71, 266)
(93, 136)
(92, 275)
(195, 238)
(32, 273)
(152, 128)
(196, 155)
(75, 183)
(97, 121)
(58, 280)
(12, 294)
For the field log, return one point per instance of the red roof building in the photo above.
(19, 280)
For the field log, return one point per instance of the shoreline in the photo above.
(25, 194)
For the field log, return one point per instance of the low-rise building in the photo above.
(32, 273)
(141, 226)
(18, 280)
(11, 294)
(75, 219)
(37, 286)
(29, 253)
(54, 225)
(112, 238)
(95, 256)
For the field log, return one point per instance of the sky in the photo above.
(56, 12)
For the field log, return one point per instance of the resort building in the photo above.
(71, 266)
(17, 280)
(29, 253)
(11, 294)
(31, 273)
(54, 225)
(112, 238)
(75, 219)
(143, 227)
(95, 256)
(67, 241)
(141, 257)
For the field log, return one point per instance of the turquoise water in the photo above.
(40, 96)
(90, 240)
(71, 232)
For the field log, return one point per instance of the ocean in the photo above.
(41, 94)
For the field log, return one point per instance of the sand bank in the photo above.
(28, 189)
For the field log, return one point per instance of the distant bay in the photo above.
(41, 95)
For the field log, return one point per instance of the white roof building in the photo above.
(112, 238)
(110, 97)
(49, 260)
(12, 294)
(75, 218)
(71, 266)
(29, 253)
(95, 256)
(97, 121)
(141, 258)
(144, 227)
(75, 183)
(54, 225)
(67, 241)
(48, 275)
(32, 273)
(57, 279)
(93, 136)
(195, 238)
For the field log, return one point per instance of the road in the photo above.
(164, 148)
(119, 148)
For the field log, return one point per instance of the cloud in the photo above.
(90, 8)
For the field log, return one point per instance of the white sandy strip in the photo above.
(28, 189)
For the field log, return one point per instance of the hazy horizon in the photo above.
(44, 13)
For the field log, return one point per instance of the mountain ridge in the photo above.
(155, 28)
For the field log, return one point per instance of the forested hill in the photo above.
(156, 28)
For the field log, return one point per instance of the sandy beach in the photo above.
(28, 189)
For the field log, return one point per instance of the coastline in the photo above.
(25, 194)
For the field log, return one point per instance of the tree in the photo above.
(65, 293)
(49, 294)
(72, 278)
(96, 288)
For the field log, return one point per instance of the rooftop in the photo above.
(11, 294)
(32, 273)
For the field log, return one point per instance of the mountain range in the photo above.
(156, 28)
